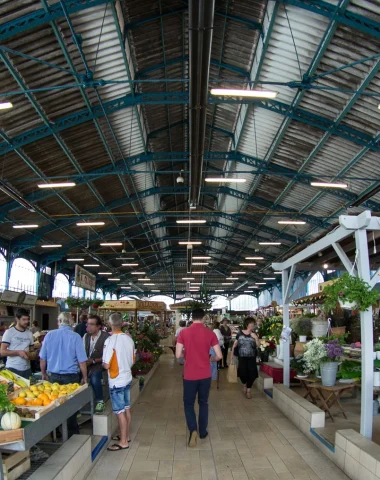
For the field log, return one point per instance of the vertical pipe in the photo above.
(367, 339)
(285, 315)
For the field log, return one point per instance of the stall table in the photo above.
(34, 431)
(325, 397)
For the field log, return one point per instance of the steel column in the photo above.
(285, 316)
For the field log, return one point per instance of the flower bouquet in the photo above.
(266, 347)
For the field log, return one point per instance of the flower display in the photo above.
(315, 353)
(267, 345)
(333, 350)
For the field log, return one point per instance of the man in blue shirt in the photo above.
(61, 356)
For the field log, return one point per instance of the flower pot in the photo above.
(319, 328)
(264, 356)
(347, 305)
(299, 349)
(338, 331)
(303, 338)
(378, 355)
(328, 373)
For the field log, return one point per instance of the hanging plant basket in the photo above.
(352, 292)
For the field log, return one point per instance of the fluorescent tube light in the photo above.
(254, 286)
(243, 93)
(90, 224)
(190, 243)
(51, 246)
(26, 226)
(104, 273)
(75, 259)
(92, 265)
(113, 279)
(254, 258)
(5, 105)
(269, 278)
(291, 222)
(143, 279)
(227, 283)
(238, 273)
(277, 273)
(269, 243)
(232, 278)
(224, 180)
(125, 288)
(328, 185)
(201, 258)
(261, 283)
(138, 273)
(56, 185)
(191, 221)
(192, 283)
(156, 291)
(247, 264)
(129, 264)
(219, 290)
(247, 291)
(188, 278)
(199, 263)
(199, 272)
(111, 244)
(148, 284)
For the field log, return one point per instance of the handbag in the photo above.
(114, 365)
(232, 373)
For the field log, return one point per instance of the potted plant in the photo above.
(266, 348)
(329, 365)
(299, 364)
(97, 302)
(352, 292)
(74, 302)
(302, 328)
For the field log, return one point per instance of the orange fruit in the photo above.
(37, 402)
(20, 401)
(43, 396)
(46, 403)
(53, 397)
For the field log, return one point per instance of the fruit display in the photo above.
(42, 394)
(6, 376)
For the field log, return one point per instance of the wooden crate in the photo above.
(15, 464)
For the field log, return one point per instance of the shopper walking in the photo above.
(118, 358)
(61, 357)
(245, 346)
(16, 343)
(227, 335)
(219, 336)
(194, 344)
(81, 328)
(182, 325)
(93, 342)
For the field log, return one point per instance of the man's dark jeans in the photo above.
(64, 379)
(190, 390)
(95, 380)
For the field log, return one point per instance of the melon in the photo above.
(10, 421)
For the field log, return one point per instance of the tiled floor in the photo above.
(249, 439)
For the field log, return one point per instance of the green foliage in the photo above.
(5, 404)
(377, 347)
(302, 326)
(270, 327)
(309, 315)
(350, 369)
(299, 364)
(342, 339)
(350, 289)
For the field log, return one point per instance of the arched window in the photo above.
(61, 286)
(88, 294)
(312, 286)
(108, 296)
(162, 298)
(244, 303)
(23, 276)
(76, 292)
(99, 293)
(220, 302)
(3, 272)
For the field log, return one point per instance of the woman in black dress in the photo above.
(247, 344)
(226, 332)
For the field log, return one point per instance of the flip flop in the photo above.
(117, 448)
(117, 437)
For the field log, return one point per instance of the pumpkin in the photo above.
(10, 421)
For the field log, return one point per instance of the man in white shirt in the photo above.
(118, 358)
(16, 344)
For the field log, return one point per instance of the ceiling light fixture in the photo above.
(219, 290)
(111, 244)
(191, 221)
(92, 265)
(75, 259)
(247, 291)
(188, 278)
(277, 273)
(125, 288)
(104, 273)
(51, 246)
(254, 258)
(230, 92)
(143, 279)
(224, 180)
(247, 264)
(138, 273)
(269, 243)
(291, 222)
(113, 279)
(261, 283)
(269, 278)
(328, 185)
(238, 273)
(129, 264)
(201, 258)
(192, 283)
(254, 286)
(227, 283)
(26, 226)
(325, 266)
(199, 263)
(190, 243)
(90, 224)
(5, 105)
(199, 272)
(56, 185)
(156, 291)
(151, 284)
(232, 278)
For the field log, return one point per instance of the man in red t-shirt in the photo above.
(194, 344)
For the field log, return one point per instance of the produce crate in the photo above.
(15, 464)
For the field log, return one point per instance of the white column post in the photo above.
(178, 318)
(285, 314)
(366, 340)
